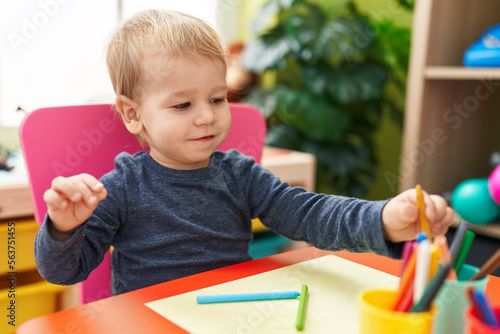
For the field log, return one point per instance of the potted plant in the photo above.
(334, 72)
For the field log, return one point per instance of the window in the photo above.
(52, 52)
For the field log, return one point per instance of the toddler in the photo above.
(183, 207)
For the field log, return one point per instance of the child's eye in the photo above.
(217, 101)
(182, 105)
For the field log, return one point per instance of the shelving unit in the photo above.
(460, 73)
(452, 112)
(452, 121)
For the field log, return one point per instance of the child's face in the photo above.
(184, 111)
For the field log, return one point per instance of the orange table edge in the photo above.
(126, 313)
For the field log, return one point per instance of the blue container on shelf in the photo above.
(486, 51)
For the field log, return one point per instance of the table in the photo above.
(296, 168)
(127, 313)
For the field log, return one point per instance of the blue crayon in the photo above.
(244, 297)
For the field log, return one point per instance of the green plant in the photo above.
(335, 71)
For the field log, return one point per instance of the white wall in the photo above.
(52, 51)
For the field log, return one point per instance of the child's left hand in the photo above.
(400, 216)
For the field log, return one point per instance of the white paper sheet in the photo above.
(333, 282)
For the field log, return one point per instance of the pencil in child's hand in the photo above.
(488, 267)
(424, 224)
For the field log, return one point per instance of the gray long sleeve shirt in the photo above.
(166, 224)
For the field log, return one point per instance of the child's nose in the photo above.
(205, 116)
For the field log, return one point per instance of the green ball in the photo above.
(472, 201)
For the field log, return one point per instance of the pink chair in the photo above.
(64, 141)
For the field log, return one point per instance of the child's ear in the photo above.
(128, 111)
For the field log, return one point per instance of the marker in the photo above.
(422, 266)
(464, 250)
(424, 224)
(405, 282)
(408, 249)
(301, 314)
(457, 240)
(244, 297)
(488, 267)
(484, 308)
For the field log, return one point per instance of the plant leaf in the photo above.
(357, 82)
(259, 56)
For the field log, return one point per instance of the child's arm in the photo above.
(67, 258)
(71, 201)
(400, 216)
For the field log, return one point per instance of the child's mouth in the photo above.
(205, 138)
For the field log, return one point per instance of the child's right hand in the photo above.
(71, 201)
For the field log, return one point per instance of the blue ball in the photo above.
(472, 201)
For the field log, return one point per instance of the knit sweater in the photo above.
(166, 224)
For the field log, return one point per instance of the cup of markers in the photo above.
(481, 317)
(377, 315)
(452, 300)
(410, 309)
(433, 291)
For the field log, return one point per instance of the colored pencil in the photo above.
(243, 297)
(485, 311)
(407, 300)
(464, 250)
(301, 314)
(488, 267)
(434, 266)
(457, 240)
(408, 249)
(406, 281)
(424, 224)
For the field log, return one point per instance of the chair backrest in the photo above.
(64, 141)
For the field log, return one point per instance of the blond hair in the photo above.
(157, 32)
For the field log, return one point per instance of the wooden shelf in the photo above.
(461, 73)
(452, 116)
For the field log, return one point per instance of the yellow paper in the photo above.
(333, 286)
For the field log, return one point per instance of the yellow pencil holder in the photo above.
(377, 317)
